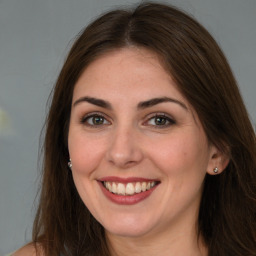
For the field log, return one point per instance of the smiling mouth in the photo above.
(130, 188)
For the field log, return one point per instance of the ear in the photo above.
(218, 161)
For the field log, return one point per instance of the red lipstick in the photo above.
(128, 199)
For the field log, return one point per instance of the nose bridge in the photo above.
(124, 149)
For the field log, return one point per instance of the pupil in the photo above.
(98, 120)
(160, 120)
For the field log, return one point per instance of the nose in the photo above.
(125, 150)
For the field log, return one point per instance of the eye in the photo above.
(94, 120)
(160, 121)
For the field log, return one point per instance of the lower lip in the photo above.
(126, 200)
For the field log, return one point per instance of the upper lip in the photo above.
(125, 180)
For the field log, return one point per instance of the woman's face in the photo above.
(138, 150)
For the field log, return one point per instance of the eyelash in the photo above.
(84, 119)
(168, 121)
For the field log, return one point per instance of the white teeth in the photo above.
(120, 189)
(108, 185)
(144, 186)
(114, 188)
(152, 184)
(128, 189)
(137, 187)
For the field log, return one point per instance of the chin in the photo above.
(128, 228)
(127, 232)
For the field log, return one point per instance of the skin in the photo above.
(129, 143)
(28, 250)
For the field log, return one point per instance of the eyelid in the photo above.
(169, 118)
(93, 114)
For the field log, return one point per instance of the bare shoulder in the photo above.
(28, 250)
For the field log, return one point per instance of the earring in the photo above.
(215, 170)
(69, 164)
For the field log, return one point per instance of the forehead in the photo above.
(128, 71)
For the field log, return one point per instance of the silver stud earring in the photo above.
(69, 164)
(215, 170)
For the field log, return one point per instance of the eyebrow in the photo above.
(141, 105)
(155, 101)
(94, 101)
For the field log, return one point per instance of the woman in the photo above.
(148, 148)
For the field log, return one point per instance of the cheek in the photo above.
(181, 154)
(85, 153)
(182, 161)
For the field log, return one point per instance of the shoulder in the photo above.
(28, 250)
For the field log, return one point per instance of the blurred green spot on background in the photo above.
(5, 123)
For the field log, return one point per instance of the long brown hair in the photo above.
(227, 217)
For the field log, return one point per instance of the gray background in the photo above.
(35, 36)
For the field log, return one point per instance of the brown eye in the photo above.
(95, 120)
(160, 121)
